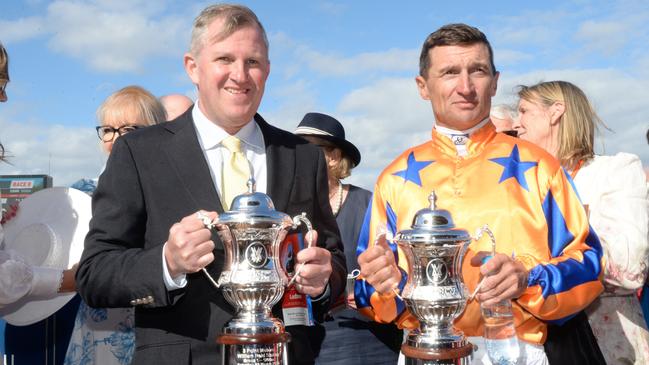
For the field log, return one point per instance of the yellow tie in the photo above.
(236, 172)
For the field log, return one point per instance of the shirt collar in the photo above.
(450, 132)
(479, 136)
(211, 135)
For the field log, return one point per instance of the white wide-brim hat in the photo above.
(48, 231)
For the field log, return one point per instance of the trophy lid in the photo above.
(432, 225)
(252, 206)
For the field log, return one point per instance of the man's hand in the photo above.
(350, 301)
(379, 268)
(314, 275)
(504, 278)
(189, 246)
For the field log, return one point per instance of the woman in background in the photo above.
(4, 73)
(557, 116)
(350, 337)
(18, 279)
(106, 336)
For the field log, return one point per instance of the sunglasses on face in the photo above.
(107, 133)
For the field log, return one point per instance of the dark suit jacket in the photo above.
(155, 177)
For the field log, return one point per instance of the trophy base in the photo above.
(427, 356)
(248, 349)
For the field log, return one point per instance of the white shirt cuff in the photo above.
(171, 283)
(46, 282)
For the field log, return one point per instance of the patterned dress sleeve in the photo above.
(619, 213)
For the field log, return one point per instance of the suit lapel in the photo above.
(188, 161)
(280, 165)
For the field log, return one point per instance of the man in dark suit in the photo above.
(146, 245)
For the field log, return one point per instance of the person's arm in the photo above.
(380, 265)
(68, 282)
(116, 269)
(571, 279)
(15, 278)
(18, 279)
(620, 216)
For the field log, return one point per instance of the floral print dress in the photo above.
(101, 336)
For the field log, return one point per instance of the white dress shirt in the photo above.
(210, 138)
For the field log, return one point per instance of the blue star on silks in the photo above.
(514, 167)
(411, 173)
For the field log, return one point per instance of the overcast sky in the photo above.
(355, 60)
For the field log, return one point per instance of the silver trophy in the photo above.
(253, 278)
(435, 292)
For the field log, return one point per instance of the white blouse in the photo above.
(615, 190)
(19, 279)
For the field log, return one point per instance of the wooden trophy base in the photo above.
(420, 356)
(254, 339)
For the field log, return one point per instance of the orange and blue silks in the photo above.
(527, 200)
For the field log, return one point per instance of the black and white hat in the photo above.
(328, 128)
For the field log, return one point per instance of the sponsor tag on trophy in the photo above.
(296, 307)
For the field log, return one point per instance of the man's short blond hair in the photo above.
(234, 18)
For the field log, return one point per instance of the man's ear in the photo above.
(495, 84)
(556, 112)
(191, 67)
(421, 86)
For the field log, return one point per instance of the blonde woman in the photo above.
(105, 336)
(557, 116)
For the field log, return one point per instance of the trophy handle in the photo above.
(297, 220)
(459, 261)
(301, 218)
(209, 224)
(211, 279)
(478, 235)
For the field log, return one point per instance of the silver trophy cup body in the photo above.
(435, 292)
(253, 279)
